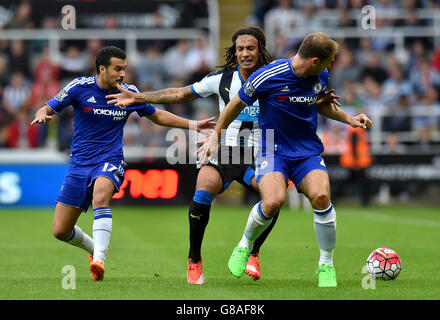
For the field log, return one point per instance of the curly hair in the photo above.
(257, 33)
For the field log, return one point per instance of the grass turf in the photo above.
(149, 246)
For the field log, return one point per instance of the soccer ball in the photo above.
(384, 264)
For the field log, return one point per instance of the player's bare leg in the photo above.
(253, 264)
(316, 187)
(64, 228)
(272, 189)
(209, 184)
(102, 225)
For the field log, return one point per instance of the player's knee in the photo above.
(320, 200)
(212, 186)
(60, 233)
(100, 200)
(273, 205)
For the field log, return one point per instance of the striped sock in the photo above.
(80, 239)
(102, 230)
(256, 224)
(325, 230)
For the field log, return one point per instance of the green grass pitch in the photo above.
(149, 246)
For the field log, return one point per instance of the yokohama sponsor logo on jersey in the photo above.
(108, 112)
(303, 99)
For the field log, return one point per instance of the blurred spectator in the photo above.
(372, 97)
(363, 51)
(398, 116)
(357, 158)
(150, 69)
(74, 63)
(373, 69)
(334, 138)
(261, 7)
(20, 133)
(19, 58)
(396, 84)
(92, 48)
(424, 124)
(349, 96)
(200, 60)
(132, 131)
(344, 68)
(22, 18)
(4, 75)
(393, 145)
(43, 89)
(282, 17)
(424, 78)
(46, 65)
(174, 58)
(16, 95)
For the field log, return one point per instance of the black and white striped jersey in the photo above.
(244, 130)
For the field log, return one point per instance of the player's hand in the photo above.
(330, 97)
(361, 121)
(39, 119)
(209, 148)
(205, 126)
(123, 99)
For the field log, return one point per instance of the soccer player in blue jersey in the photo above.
(96, 169)
(288, 91)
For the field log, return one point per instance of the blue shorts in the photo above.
(77, 188)
(294, 170)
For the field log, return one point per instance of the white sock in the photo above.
(102, 230)
(80, 239)
(256, 224)
(325, 230)
(326, 257)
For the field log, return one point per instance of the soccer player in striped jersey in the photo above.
(246, 54)
(96, 169)
(289, 92)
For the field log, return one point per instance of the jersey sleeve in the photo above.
(252, 88)
(65, 97)
(207, 86)
(143, 110)
(146, 110)
(323, 78)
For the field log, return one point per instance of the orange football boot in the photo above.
(253, 267)
(195, 275)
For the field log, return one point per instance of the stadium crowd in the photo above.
(369, 74)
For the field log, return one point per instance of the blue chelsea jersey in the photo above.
(288, 107)
(98, 126)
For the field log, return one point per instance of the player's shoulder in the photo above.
(324, 75)
(130, 87)
(80, 82)
(220, 72)
(270, 71)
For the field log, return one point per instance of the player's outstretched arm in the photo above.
(43, 115)
(168, 119)
(229, 113)
(165, 96)
(329, 107)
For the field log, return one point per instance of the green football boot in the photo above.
(327, 276)
(237, 261)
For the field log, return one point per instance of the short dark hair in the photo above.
(105, 54)
(317, 45)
